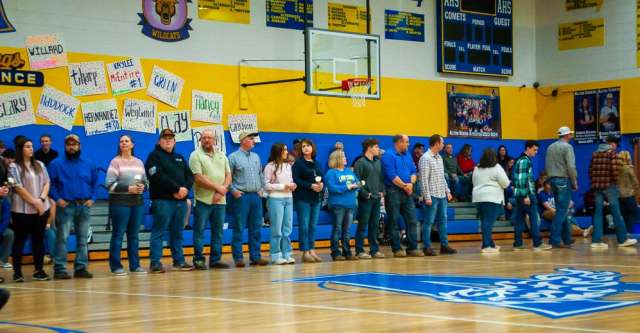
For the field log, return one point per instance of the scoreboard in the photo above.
(475, 37)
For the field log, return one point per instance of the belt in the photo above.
(78, 201)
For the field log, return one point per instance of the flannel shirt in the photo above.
(523, 177)
(604, 169)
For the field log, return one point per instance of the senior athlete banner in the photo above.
(473, 111)
(596, 114)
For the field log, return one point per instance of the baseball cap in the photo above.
(609, 95)
(246, 134)
(564, 130)
(167, 132)
(72, 137)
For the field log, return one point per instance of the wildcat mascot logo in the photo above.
(566, 292)
(165, 20)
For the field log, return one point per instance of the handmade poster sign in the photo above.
(101, 117)
(206, 106)
(87, 78)
(178, 122)
(46, 51)
(165, 87)
(58, 107)
(139, 116)
(239, 123)
(218, 133)
(16, 109)
(126, 76)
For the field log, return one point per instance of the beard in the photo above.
(72, 156)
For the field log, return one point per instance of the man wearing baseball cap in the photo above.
(560, 165)
(246, 187)
(169, 182)
(74, 182)
(609, 115)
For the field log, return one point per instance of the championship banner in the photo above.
(579, 4)
(165, 20)
(347, 18)
(582, 34)
(473, 111)
(233, 11)
(289, 14)
(403, 26)
(585, 117)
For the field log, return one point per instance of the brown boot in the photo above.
(307, 257)
(415, 253)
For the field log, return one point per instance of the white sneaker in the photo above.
(587, 232)
(542, 247)
(7, 265)
(279, 261)
(139, 271)
(490, 250)
(291, 260)
(363, 255)
(600, 245)
(119, 272)
(497, 247)
(378, 255)
(629, 242)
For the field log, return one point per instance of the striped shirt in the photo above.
(431, 172)
(121, 174)
(32, 183)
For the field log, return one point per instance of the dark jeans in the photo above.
(342, 218)
(214, 214)
(520, 210)
(248, 213)
(308, 214)
(368, 218)
(489, 213)
(560, 226)
(629, 207)
(125, 219)
(167, 214)
(398, 203)
(25, 226)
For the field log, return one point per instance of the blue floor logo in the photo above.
(564, 293)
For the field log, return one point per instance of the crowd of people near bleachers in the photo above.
(44, 196)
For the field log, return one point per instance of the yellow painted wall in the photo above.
(413, 107)
(554, 112)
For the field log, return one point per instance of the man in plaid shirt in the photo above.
(526, 199)
(603, 171)
(436, 194)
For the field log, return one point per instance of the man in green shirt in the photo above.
(452, 172)
(212, 178)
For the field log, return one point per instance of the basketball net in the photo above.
(358, 89)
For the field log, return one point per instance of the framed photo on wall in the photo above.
(473, 111)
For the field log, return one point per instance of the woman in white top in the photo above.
(489, 182)
(280, 186)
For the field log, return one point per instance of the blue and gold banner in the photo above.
(165, 20)
(5, 25)
(403, 26)
(289, 14)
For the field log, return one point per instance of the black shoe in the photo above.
(82, 274)
(41, 276)
(200, 265)
(447, 250)
(429, 252)
(219, 265)
(183, 267)
(157, 269)
(561, 246)
(259, 262)
(61, 276)
(18, 278)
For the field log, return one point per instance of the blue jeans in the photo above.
(629, 208)
(453, 183)
(342, 218)
(308, 214)
(281, 215)
(214, 214)
(520, 210)
(398, 203)
(50, 240)
(489, 213)
(436, 212)
(560, 226)
(125, 219)
(612, 194)
(368, 218)
(248, 213)
(79, 215)
(167, 214)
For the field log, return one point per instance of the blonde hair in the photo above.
(335, 159)
(625, 156)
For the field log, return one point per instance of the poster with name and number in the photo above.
(206, 106)
(178, 122)
(581, 34)
(289, 14)
(165, 86)
(126, 76)
(239, 123)
(46, 51)
(16, 109)
(100, 117)
(87, 78)
(139, 116)
(58, 107)
(233, 11)
(347, 18)
(218, 133)
(403, 26)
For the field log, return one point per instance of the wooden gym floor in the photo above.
(260, 300)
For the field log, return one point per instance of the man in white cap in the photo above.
(560, 165)
(609, 115)
(246, 187)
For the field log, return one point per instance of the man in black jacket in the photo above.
(169, 181)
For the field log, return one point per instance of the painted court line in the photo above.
(322, 307)
(575, 264)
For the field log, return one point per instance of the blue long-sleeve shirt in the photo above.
(395, 164)
(337, 182)
(73, 179)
